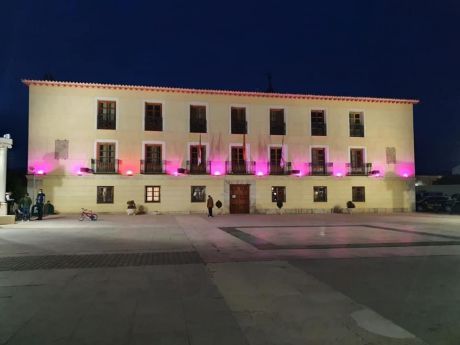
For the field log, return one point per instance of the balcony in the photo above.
(318, 129)
(320, 169)
(198, 126)
(240, 167)
(356, 130)
(277, 169)
(359, 169)
(153, 167)
(278, 128)
(198, 169)
(105, 166)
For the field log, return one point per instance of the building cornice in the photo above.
(29, 82)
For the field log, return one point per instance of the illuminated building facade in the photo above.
(98, 146)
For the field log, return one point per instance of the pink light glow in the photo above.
(129, 172)
(79, 173)
(338, 174)
(260, 173)
(40, 172)
(217, 173)
(405, 175)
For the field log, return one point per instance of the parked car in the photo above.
(435, 204)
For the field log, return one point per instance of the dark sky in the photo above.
(401, 48)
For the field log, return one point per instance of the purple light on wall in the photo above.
(217, 173)
(260, 173)
(338, 174)
(129, 172)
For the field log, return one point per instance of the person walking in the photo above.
(24, 205)
(210, 205)
(40, 202)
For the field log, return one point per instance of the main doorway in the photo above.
(239, 198)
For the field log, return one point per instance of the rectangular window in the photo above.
(277, 125)
(105, 194)
(276, 160)
(356, 124)
(106, 114)
(105, 159)
(318, 123)
(320, 194)
(358, 194)
(238, 160)
(318, 161)
(198, 119)
(153, 117)
(198, 193)
(278, 193)
(152, 194)
(239, 124)
(153, 160)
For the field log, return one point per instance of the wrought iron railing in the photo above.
(279, 168)
(359, 169)
(240, 167)
(193, 168)
(153, 167)
(105, 166)
(320, 169)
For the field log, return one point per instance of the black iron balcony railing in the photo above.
(318, 129)
(320, 169)
(356, 130)
(105, 166)
(193, 168)
(198, 126)
(153, 167)
(240, 167)
(359, 169)
(279, 168)
(278, 128)
(153, 124)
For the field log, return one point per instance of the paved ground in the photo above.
(249, 279)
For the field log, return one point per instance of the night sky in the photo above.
(402, 49)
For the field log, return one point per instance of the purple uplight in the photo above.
(217, 173)
(260, 173)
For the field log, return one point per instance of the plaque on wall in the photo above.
(61, 149)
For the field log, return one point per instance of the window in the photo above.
(358, 194)
(276, 160)
(198, 194)
(277, 125)
(278, 193)
(106, 114)
(105, 194)
(105, 158)
(320, 194)
(356, 124)
(197, 159)
(153, 161)
(152, 193)
(153, 119)
(238, 119)
(318, 161)
(238, 160)
(318, 123)
(197, 119)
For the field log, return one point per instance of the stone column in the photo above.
(5, 143)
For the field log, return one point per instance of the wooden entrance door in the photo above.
(239, 198)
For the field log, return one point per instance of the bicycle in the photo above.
(87, 214)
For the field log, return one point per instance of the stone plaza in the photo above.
(231, 279)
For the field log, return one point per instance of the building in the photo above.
(98, 146)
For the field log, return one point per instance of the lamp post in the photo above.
(5, 143)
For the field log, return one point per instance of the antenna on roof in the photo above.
(270, 88)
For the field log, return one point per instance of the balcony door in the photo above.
(105, 157)
(238, 163)
(197, 159)
(318, 160)
(153, 158)
(357, 159)
(276, 160)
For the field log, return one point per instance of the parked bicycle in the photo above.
(87, 214)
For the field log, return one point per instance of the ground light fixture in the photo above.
(129, 173)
